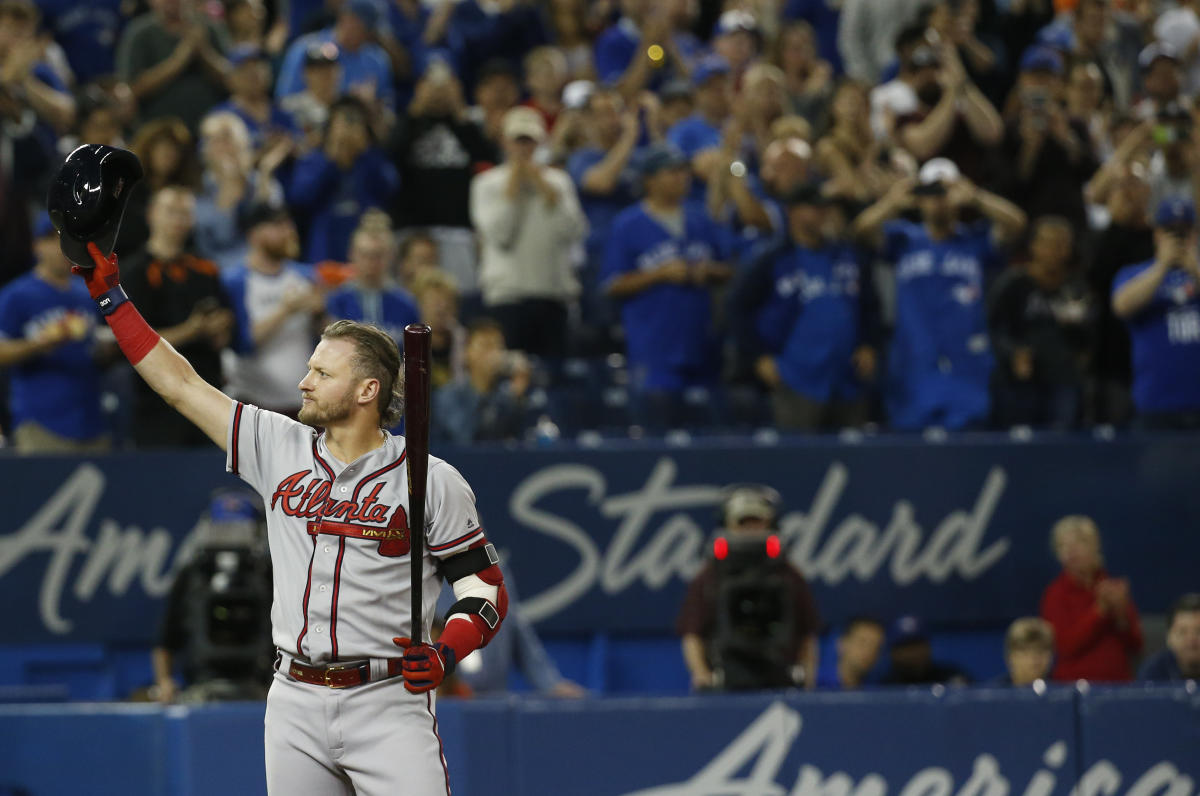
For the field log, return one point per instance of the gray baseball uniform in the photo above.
(339, 543)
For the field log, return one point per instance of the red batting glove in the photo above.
(103, 277)
(425, 665)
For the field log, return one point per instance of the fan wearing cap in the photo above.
(940, 360)
(366, 69)
(1052, 153)
(173, 60)
(749, 514)
(737, 39)
(663, 259)
(334, 185)
(699, 135)
(1159, 301)
(309, 108)
(911, 655)
(1162, 79)
(250, 97)
(1179, 29)
(806, 312)
(528, 219)
(46, 347)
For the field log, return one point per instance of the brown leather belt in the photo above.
(339, 675)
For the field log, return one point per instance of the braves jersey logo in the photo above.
(311, 501)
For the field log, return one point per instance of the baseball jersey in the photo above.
(811, 319)
(940, 361)
(268, 374)
(668, 328)
(60, 390)
(339, 535)
(1166, 342)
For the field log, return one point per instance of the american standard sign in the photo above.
(607, 540)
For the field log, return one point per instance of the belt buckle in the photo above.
(336, 667)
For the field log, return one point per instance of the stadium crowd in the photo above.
(813, 214)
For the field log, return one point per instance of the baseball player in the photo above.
(344, 714)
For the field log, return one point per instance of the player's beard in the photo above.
(316, 413)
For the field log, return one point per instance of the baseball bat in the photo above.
(417, 355)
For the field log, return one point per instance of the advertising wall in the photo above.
(1063, 742)
(606, 539)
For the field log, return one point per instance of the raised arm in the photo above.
(155, 360)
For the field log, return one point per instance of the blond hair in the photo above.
(1029, 631)
(376, 356)
(1075, 524)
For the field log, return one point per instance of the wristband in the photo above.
(134, 335)
(111, 299)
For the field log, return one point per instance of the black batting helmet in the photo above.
(88, 196)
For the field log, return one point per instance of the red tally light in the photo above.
(773, 546)
(721, 548)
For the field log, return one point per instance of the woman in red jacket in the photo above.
(1096, 626)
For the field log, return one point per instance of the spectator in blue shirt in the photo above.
(663, 259)
(479, 31)
(46, 324)
(608, 182)
(640, 50)
(250, 98)
(87, 32)
(807, 312)
(334, 185)
(1159, 300)
(737, 39)
(366, 68)
(940, 361)
(1181, 659)
(699, 135)
(27, 80)
(371, 296)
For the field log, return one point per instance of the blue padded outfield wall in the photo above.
(1134, 742)
(604, 540)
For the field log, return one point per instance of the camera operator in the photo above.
(216, 623)
(1159, 301)
(749, 620)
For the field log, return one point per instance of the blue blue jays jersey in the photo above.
(811, 319)
(1166, 342)
(940, 361)
(59, 390)
(668, 328)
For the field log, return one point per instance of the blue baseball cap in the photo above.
(709, 67)
(1057, 36)
(906, 630)
(1175, 212)
(1041, 59)
(368, 11)
(657, 157)
(244, 53)
(43, 227)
